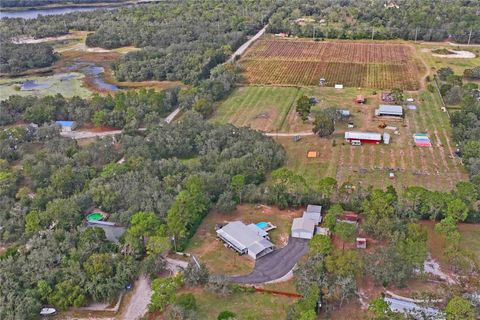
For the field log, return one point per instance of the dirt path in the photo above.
(138, 303)
(245, 46)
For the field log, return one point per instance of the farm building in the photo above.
(389, 110)
(66, 126)
(358, 138)
(360, 99)
(246, 239)
(303, 228)
(349, 217)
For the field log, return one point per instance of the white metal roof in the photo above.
(390, 109)
(262, 233)
(413, 309)
(243, 236)
(301, 224)
(315, 216)
(356, 135)
(314, 208)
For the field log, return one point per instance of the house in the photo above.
(66, 126)
(303, 228)
(360, 99)
(389, 110)
(414, 310)
(358, 138)
(246, 239)
(113, 232)
(361, 243)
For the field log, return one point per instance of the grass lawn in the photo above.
(220, 259)
(457, 64)
(245, 305)
(68, 88)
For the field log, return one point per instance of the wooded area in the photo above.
(34, 3)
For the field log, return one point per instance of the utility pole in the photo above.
(470, 36)
(313, 32)
(416, 34)
(373, 32)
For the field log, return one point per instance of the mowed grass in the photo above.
(458, 65)
(261, 108)
(247, 306)
(219, 259)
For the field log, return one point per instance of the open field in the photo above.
(219, 259)
(457, 65)
(353, 64)
(271, 109)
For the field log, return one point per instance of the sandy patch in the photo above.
(460, 54)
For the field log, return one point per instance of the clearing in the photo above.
(220, 259)
(353, 64)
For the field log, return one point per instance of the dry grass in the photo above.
(220, 259)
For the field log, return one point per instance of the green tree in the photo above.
(303, 107)
(380, 309)
(459, 309)
(99, 264)
(238, 186)
(66, 294)
(164, 290)
(320, 244)
(397, 94)
(324, 124)
(346, 231)
(226, 315)
(187, 301)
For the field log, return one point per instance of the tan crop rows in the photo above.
(354, 64)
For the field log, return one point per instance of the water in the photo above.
(96, 73)
(32, 14)
(30, 85)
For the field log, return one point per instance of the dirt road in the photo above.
(245, 46)
(138, 303)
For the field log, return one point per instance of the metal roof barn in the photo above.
(390, 110)
(245, 239)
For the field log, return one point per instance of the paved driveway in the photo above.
(276, 264)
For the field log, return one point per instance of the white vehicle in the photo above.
(48, 311)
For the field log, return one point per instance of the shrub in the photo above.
(226, 315)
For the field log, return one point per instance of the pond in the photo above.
(96, 73)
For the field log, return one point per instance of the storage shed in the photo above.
(389, 110)
(303, 228)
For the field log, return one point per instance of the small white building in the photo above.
(66, 126)
(303, 228)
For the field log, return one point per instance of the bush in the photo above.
(226, 315)
(431, 88)
(187, 301)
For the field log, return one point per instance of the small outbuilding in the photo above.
(361, 243)
(389, 110)
(303, 228)
(339, 86)
(314, 213)
(348, 217)
(66, 126)
(360, 99)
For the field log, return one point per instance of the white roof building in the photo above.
(390, 110)
(245, 239)
(303, 228)
(356, 135)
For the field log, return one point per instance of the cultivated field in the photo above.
(353, 64)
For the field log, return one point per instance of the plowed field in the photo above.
(353, 64)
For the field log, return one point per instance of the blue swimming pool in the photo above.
(262, 224)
